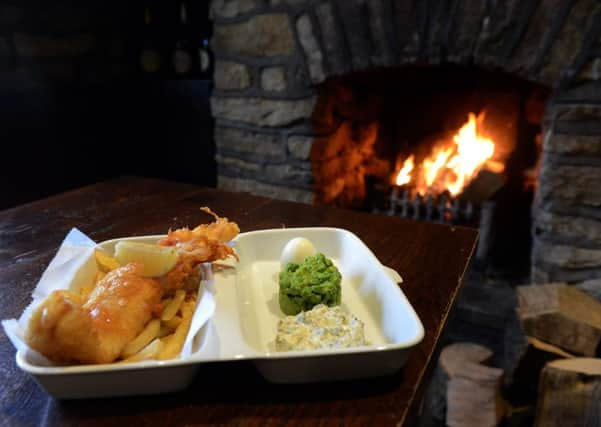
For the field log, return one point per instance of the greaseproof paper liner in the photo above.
(74, 264)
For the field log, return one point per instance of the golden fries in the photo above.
(173, 323)
(148, 352)
(146, 336)
(171, 309)
(164, 331)
(174, 342)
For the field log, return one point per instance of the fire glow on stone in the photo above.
(451, 165)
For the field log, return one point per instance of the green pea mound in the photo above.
(314, 281)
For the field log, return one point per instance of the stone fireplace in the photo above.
(273, 59)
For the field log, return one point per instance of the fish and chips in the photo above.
(140, 305)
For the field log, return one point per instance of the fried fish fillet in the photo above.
(66, 328)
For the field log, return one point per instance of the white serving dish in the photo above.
(245, 322)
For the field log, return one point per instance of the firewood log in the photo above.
(451, 357)
(570, 393)
(562, 316)
(524, 359)
(473, 396)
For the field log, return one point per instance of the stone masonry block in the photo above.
(299, 146)
(262, 35)
(264, 189)
(333, 39)
(231, 8)
(575, 184)
(566, 256)
(568, 43)
(248, 142)
(573, 144)
(311, 48)
(261, 111)
(273, 79)
(569, 228)
(231, 75)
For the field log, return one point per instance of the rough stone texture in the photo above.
(273, 79)
(231, 8)
(300, 146)
(498, 27)
(288, 174)
(262, 35)
(240, 166)
(469, 23)
(381, 33)
(407, 16)
(290, 2)
(353, 14)
(231, 75)
(546, 273)
(263, 189)
(440, 16)
(48, 46)
(266, 145)
(570, 228)
(525, 56)
(576, 184)
(584, 92)
(568, 43)
(261, 111)
(311, 48)
(568, 257)
(576, 112)
(332, 39)
(573, 144)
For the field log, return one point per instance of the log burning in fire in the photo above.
(451, 164)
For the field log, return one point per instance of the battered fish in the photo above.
(65, 328)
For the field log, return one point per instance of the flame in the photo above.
(452, 165)
(434, 163)
(404, 175)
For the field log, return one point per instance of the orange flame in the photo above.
(404, 175)
(453, 165)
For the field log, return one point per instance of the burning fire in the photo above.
(404, 175)
(451, 166)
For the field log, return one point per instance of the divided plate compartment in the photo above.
(392, 327)
(244, 324)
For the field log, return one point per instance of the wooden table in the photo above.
(431, 258)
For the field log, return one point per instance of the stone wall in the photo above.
(271, 54)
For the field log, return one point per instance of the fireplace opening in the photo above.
(447, 143)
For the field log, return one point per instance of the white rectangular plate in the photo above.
(245, 323)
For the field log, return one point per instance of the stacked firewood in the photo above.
(551, 374)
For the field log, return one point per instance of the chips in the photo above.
(173, 306)
(175, 342)
(143, 339)
(148, 352)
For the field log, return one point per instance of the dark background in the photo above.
(76, 108)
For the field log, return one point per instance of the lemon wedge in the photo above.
(157, 259)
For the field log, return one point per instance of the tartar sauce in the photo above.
(321, 327)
